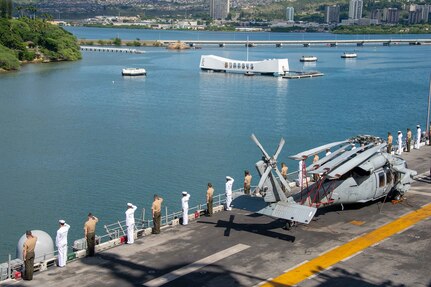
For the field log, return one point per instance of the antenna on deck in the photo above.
(247, 48)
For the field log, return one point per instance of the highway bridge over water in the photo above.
(305, 43)
(253, 43)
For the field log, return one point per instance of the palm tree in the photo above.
(32, 9)
(47, 16)
(20, 10)
(9, 6)
(3, 9)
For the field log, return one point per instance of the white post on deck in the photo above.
(428, 115)
(9, 268)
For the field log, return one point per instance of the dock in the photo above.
(373, 244)
(302, 75)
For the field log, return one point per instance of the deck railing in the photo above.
(115, 232)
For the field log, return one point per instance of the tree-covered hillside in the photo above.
(27, 40)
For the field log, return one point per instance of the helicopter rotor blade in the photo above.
(263, 177)
(280, 146)
(283, 181)
(253, 137)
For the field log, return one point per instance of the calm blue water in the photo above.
(77, 137)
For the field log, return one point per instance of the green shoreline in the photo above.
(26, 40)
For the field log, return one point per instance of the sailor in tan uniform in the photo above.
(90, 233)
(157, 215)
(316, 177)
(409, 139)
(390, 140)
(210, 192)
(28, 255)
(247, 182)
(61, 242)
(284, 170)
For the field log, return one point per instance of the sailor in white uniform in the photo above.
(400, 142)
(418, 136)
(300, 173)
(185, 207)
(130, 223)
(229, 183)
(61, 242)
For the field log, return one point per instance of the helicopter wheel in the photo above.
(397, 196)
(290, 224)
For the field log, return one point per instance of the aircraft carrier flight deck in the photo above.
(381, 244)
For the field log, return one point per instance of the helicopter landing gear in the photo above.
(290, 224)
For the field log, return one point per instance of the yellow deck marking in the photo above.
(357, 222)
(349, 249)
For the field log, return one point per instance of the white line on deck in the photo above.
(195, 265)
(419, 192)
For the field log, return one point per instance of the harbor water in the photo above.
(79, 137)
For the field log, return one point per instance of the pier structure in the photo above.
(304, 43)
(375, 244)
(111, 49)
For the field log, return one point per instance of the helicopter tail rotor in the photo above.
(270, 164)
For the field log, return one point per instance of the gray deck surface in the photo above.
(266, 250)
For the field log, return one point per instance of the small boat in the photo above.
(248, 73)
(349, 55)
(134, 72)
(308, 59)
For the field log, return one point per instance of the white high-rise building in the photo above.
(219, 9)
(290, 14)
(355, 9)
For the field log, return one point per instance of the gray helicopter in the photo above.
(350, 174)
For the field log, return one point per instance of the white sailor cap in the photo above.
(229, 178)
(418, 126)
(129, 204)
(61, 221)
(399, 132)
(184, 192)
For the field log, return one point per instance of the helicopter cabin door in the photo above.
(381, 185)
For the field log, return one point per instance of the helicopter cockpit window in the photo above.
(388, 176)
(381, 179)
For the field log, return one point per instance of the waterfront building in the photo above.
(391, 15)
(332, 14)
(367, 22)
(355, 9)
(360, 22)
(377, 15)
(290, 11)
(219, 9)
(418, 14)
